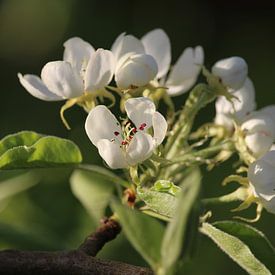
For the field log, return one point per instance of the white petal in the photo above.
(112, 154)
(62, 79)
(140, 148)
(225, 120)
(261, 175)
(232, 71)
(243, 104)
(270, 111)
(270, 205)
(157, 44)
(160, 127)
(137, 70)
(259, 143)
(100, 70)
(185, 72)
(140, 110)
(102, 124)
(125, 44)
(259, 122)
(77, 52)
(34, 85)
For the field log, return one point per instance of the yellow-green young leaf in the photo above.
(257, 242)
(93, 191)
(28, 150)
(159, 202)
(174, 237)
(236, 249)
(144, 233)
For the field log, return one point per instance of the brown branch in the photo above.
(108, 231)
(76, 262)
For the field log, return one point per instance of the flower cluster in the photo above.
(139, 72)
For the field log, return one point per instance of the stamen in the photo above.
(116, 133)
(124, 142)
(142, 126)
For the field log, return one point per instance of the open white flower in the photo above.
(155, 45)
(82, 70)
(239, 108)
(232, 71)
(259, 132)
(132, 144)
(184, 73)
(261, 175)
(133, 66)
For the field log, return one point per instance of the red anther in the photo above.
(142, 126)
(134, 130)
(124, 142)
(116, 133)
(130, 137)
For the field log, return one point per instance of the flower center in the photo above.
(128, 132)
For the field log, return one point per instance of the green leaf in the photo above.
(159, 202)
(174, 238)
(31, 150)
(253, 238)
(236, 249)
(144, 233)
(17, 183)
(104, 173)
(93, 191)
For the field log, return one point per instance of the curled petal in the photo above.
(157, 44)
(137, 70)
(77, 52)
(185, 72)
(140, 148)
(160, 127)
(34, 85)
(140, 110)
(100, 70)
(125, 44)
(232, 71)
(62, 79)
(102, 124)
(112, 154)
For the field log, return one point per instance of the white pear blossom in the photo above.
(239, 108)
(126, 146)
(259, 130)
(184, 73)
(232, 71)
(135, 70)
(155, 45)
(261, 175)
(82, 70)
(133, 66)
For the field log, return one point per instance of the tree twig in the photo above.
(108, 231)
(75, 262)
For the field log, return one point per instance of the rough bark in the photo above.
(75, 262)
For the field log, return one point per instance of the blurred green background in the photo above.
(32, 32)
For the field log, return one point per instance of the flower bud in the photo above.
(135, 70)
(232, 71)
(259, 132)
(261, 175)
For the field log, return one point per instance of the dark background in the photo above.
(32, 33)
